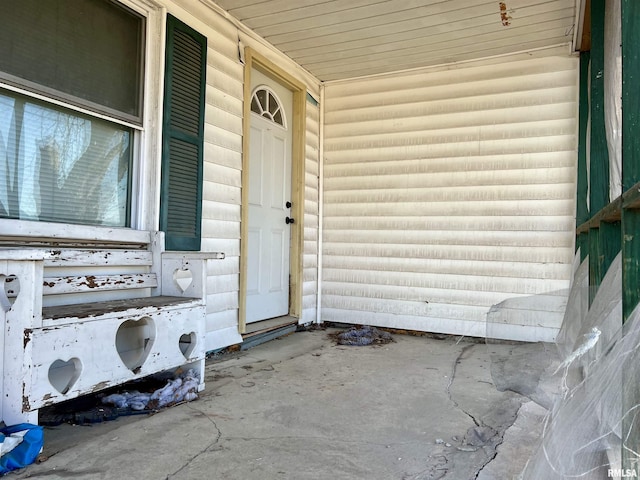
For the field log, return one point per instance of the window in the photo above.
(59, 166)
(265, 103)
(70, 103)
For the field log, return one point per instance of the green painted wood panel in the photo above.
(610, 244)
(630, 219)
(183, 137)
(582, 211)
(599, 168)
(595, 272)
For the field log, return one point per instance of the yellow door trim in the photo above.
(257, 61)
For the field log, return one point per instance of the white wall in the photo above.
(449, 198)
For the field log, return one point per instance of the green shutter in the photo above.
(183, 136)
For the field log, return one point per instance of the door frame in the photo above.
(298, 126)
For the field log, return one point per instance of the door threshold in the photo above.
(265, 330)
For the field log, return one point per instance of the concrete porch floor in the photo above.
(302, 407)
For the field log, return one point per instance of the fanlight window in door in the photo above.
(265, 103)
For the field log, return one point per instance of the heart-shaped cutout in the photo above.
(134, 340)
(187, 343)
(183, 278)
(10, 290)
(63, 375)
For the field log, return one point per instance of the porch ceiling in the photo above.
(337, 39)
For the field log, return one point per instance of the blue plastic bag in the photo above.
(26, 451)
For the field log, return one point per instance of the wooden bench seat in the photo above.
(78, 320)
(88, 311)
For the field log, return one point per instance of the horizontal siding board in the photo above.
(219, 302)
(311, 200)
(448, 311)
(473, 192)
(224, 101)
(220, 320)
(223, 283)
(381, 205)
(222, 137)
(310, 231)
(220, 155)
(225, 266)
(452, 252)
(220, 228)
(443, 101)
(487, 179)
(518, 163)
(417, 286)
(379, 265)
(229, 65)
(225, 83)
(452, 237)
(308, 314)
(222, 174)
(229, 246)
(310, 179)
(462, 223)
(452, 148)
(220, 211)
(221, 193)
(518, 168)
(475, 133)
(224, 120)
(373, 124)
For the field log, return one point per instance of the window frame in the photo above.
(146, 138)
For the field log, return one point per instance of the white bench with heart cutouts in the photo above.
(78, 320)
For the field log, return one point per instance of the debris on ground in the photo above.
(182, 388)
(151, 394)
(19, 446)
(311, 327)
(363, 335)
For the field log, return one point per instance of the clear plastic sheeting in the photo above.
(593, 420)
(577, 308)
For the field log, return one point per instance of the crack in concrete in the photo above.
(324, 439)
(453, 374)
(204, 450)
(434, 471)
(500, 433)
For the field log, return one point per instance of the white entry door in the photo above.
(269, 228)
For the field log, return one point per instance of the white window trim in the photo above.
(145, 195)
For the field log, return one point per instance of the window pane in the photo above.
(262, 98)
(59, 166)
(90, 50)
(255, 106)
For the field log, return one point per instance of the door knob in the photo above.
(289, 220)
(288, 204)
